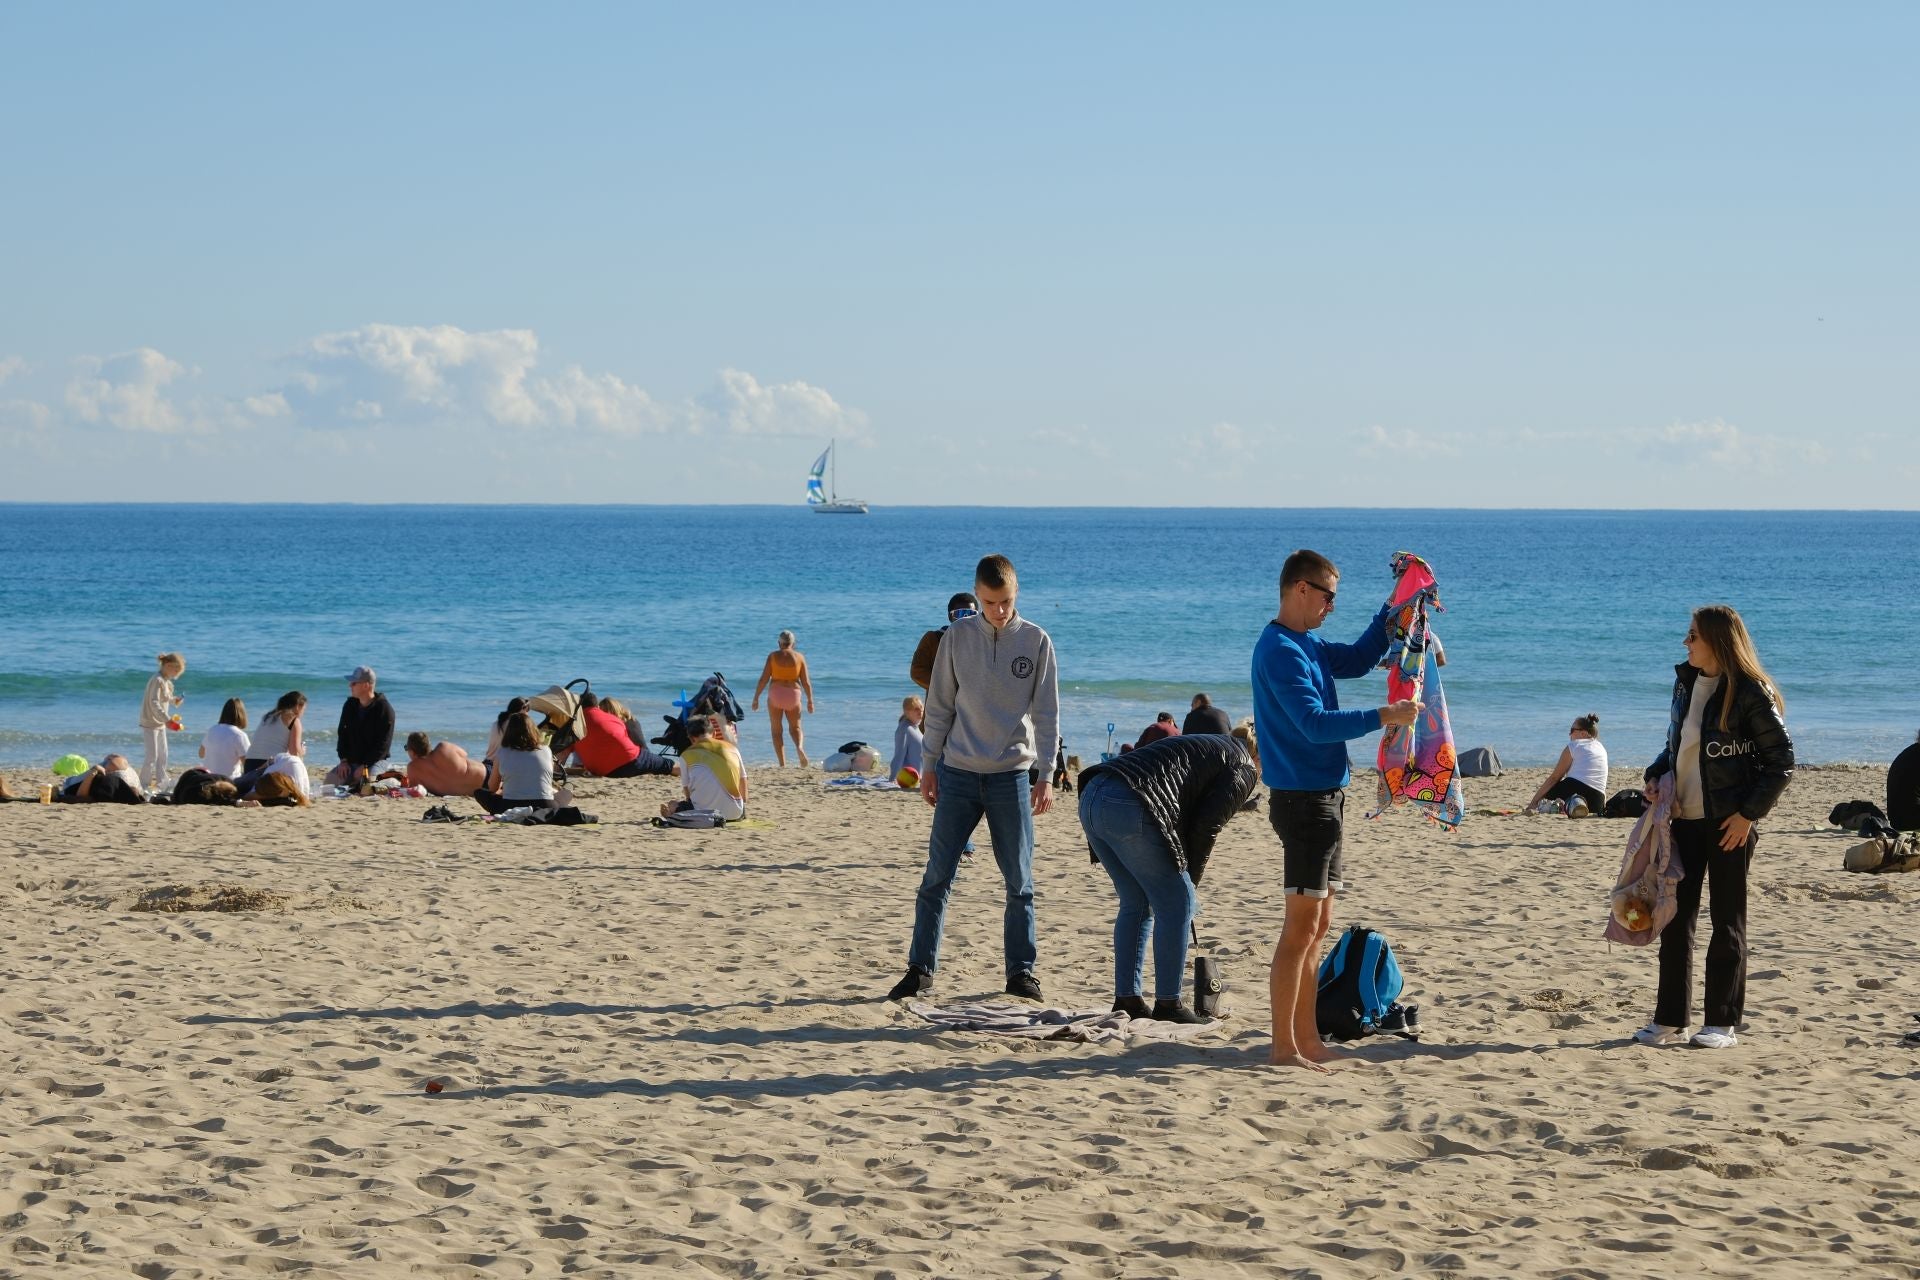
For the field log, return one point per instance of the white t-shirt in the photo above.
(707, 792)
(272, 737)
(292, 767)
(1589, 763)
(223, 748)
(1689, 797)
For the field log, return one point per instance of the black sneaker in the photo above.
(1132, 1006)
(1024, 985)
(917, 983)
(1176, 1011)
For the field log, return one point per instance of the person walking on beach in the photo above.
(156, 709)
(993, 713)
(1303, 758)
(366, 730)
(1579, 776)
(786, 670)
(1151, 818)
(1730, 758)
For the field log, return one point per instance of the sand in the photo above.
(662, 1052)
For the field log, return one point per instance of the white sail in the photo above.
(816, 490)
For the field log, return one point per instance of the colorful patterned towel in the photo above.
(1417, 760)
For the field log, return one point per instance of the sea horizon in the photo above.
(1549, 613)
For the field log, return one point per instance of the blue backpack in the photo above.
(1359, 984)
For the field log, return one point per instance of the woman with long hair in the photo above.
(523, 769)
(786, 671)
(226, 746)
(279, 732)
(1728, 759)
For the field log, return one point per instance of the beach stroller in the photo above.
(713, 698)
(561, 719)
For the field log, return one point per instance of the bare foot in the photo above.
(1327, 1053)
(804, 762)
(1278, 1059)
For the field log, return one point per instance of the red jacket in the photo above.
(605, 746)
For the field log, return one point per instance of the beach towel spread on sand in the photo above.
(1417, 761)
(861, 782)
(1647, 894)
(1091, 1026)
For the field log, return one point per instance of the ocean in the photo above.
(1549, 614)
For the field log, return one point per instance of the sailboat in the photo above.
(821, 498)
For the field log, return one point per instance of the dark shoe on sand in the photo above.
(1132, 1006)
(917, 983)
(1024, 985)
(1175, 1011)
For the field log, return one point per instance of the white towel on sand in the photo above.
(1037, 1022)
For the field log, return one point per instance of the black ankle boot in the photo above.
(1132, 1006)
(1175, 1011)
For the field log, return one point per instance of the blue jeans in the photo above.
(1005, 801)
(1155, 893)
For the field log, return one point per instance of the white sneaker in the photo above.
(1660, 1037)
(1577, 807)
(1715, 1038)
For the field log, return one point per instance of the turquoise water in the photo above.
(1549, 614)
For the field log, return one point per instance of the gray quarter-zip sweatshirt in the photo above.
(994, 703)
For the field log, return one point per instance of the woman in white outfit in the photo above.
(1579, 778)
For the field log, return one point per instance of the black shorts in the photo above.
(1309, 825)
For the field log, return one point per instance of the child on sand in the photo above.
(156, 708)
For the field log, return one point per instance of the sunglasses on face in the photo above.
(1323, 591)
(956, 614)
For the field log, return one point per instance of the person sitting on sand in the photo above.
(711, 773)
(112, 781)
(1204, 717)
(522, 769)
(1903, 790)
(366, 730)
(279, 732)
(225, 745)
(606, 750)
(1579, 777)
(907, 739)
(1162, 727)
(444, 770)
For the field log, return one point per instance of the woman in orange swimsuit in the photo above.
(786, 671)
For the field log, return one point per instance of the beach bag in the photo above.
(860, 760)
(1646, 894)
(1359, 982)
(691, 819)
(1630, 803)
(1479, 762)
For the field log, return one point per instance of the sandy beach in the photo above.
(663, 1052)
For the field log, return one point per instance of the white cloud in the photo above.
(445, 375)
(127, 391)
(1079, 440)
(10, 366)
(1405, 442)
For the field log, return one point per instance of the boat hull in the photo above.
(839, 507)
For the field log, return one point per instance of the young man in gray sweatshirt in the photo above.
(993, 713)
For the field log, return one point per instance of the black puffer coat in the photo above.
(1744, 767)
(1190, 785)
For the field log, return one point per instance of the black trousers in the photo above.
(1697, 842)
(493, 803)
(1567, 789)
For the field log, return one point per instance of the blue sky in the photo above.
(1486, 255)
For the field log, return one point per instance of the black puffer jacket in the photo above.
(1744, 767)
(1190, 784)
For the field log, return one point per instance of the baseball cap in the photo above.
(361, 675)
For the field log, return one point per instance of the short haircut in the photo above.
(700, 727)
(518, 734)
(417, 743)
(912, 700)
(590, 700)
(1304, 565)
(786, 639)
(995, 571)
(234, 712)
(1201, 700)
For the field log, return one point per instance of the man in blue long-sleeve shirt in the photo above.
(1303, 737)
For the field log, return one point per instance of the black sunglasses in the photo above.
(1322, 590)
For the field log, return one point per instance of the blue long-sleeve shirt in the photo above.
(1296, 709)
